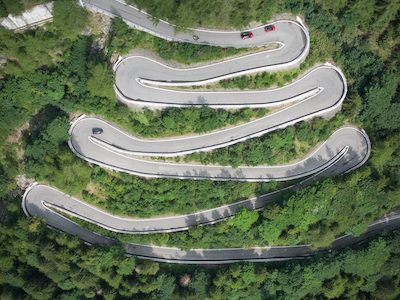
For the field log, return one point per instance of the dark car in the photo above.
(97, 130)
(269, 28)
(246, 35)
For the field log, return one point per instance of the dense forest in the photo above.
(49, 75)
(40, 263)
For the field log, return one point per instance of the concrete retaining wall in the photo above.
(37, 16)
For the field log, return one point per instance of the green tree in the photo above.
(100, 81)
(13, 7)
(244, 218)
(199, 283)
(387, 289)
(335, 287)
(3, 10)
(386, 11)
(69, 18)
(166, 287)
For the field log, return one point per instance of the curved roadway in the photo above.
(144, 22)
(106, 150)
(292, 39)
(133, 85)
(314, 85)
(133, 73)
(357, 150)
(321, 91)
(36, 195)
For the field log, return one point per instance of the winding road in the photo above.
(138, 79)
(141, 81)
(346, 148)
(39, 199)
(165, 30)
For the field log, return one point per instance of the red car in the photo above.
(246, 35)
(269, 28)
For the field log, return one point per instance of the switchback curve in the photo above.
(32, 206)
(340, 162)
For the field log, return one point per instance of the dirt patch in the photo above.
(94, 188)
(185, 279)
(55, 54)
(23, 182)
(17, 137)
(100, 25)
(75, 115)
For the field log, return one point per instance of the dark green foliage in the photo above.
(47, 135)
(8, 170)
(69, 18)
(260, 80)
(100, 81)
(209, 13)
(316, 215)
(36, 263)
(11, 7)
(132, 195)
(186, 52)
(74, 67)
(27, 51)
(168, 122)
(39, 263)
(199, 283)
(364, 70)
(124, 39)
(273, 148)
(166, 287)
(243, 219)
(31, 50)
(378, 107)
(3, 10)
(49, 156)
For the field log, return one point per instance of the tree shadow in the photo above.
(217, 256)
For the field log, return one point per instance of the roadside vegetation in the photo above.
(258, 81)
(123, 39)
(41, 263)
(50, 74)
(278, 147)
(234, 13)
(312, 215)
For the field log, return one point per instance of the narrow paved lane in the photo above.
(348, 142)
(42, 197)
(283, 35)
(291, 39)
(36, 195)
(317, 93)
(133, 74)
(322, 83)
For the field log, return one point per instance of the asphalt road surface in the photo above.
(321, 91)
(290, 37)
(329, 88)
(289, 34)
(132, 70)
(133, 74)
(348, 142)
(38, 197)
(42, 197)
